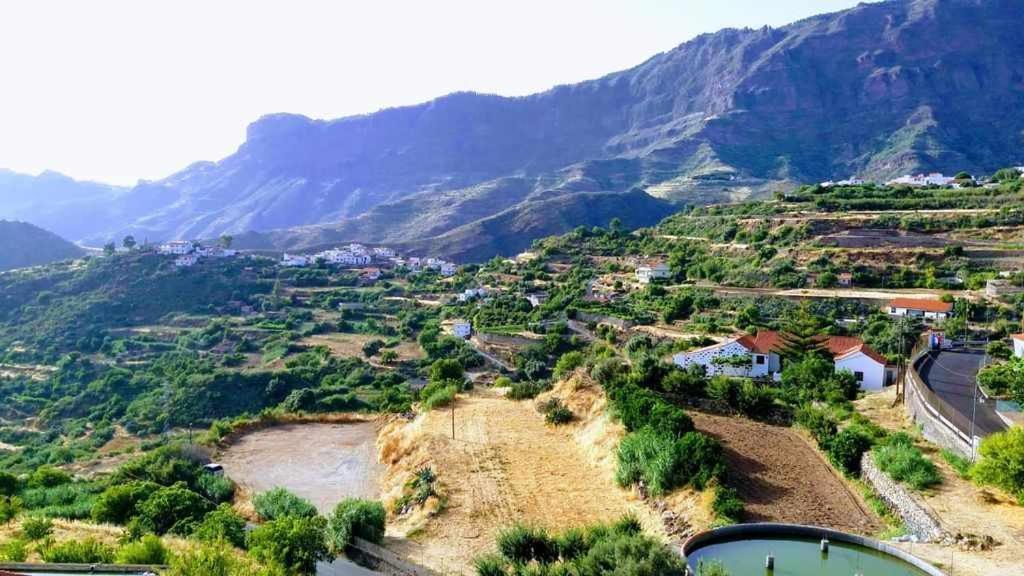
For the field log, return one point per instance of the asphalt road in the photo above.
(951, 375)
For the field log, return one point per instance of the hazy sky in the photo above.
(117, 90)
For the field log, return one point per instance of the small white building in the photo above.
(537, 298)
(462, 329)
(1018, 345)
(470, 294)
(176, 248)
(370, 274)
(919, 308)
(294, 260)
(647, 273)
(921, 180)
(448, 269)
(186, 260)
(383, 253)
(758, 357)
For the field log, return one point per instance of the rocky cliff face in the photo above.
(877, 90)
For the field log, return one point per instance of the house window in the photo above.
(859, 376)
(892, 310)
(759, 359)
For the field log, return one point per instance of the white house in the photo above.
(933, 179)
(186, 260)
(448, 269)
(470, 294)
(176, 248)
(462, 329)
(919, 308)
(537, 298)
(294, 260)
(1018, 345)
(758, 357)
(647, 273)
(383, 253)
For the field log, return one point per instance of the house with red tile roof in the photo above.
(758, 356)
(919, 308)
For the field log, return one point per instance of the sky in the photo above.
(121, 90)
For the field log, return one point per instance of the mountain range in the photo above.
(27, 245)
(878, 90)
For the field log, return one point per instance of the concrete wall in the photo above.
(899, 500)
(933, 427)
(384, 561)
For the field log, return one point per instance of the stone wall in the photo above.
(898, 499)
(385, 561)
(620, 323)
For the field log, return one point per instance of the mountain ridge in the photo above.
(732, 114)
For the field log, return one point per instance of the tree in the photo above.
(446, 369)
(173, 509)
(223, 524)
(109, 248)
(615, 226)
(371, 347)
(280, 503)
(225, 241)
(1002, 462)
(128, 242)
(801, 334)
(293, 542)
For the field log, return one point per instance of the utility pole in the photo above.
(453, 418)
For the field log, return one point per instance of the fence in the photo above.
(942, 423)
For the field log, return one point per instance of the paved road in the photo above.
(951, 375)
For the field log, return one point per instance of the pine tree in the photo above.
(801, 334)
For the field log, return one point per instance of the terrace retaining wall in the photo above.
(898, 499)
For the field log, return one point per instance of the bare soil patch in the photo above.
(504, 465)
(781, 478)
(321, 462)
(351, 345)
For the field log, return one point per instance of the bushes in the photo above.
(34, 528)
(279, 503)
(727, 505)
(295, 543)
(663, 462)
(217, 560)
(223, 524)
(619, 548)
(526, 390)
(567, 363)
(438, 394)
(555, 412)
(903, 462)
(818, 422)
(13, 551)
(119, 503)
(846, 448)
(961, 465)
(148, 551)
(355, 518)
(172, 509)
(1002, 462)
(88, 551)
(638, 407)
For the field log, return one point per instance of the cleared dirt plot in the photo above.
(351, 345)
(323, 463)
(505, 465)
(781, 478)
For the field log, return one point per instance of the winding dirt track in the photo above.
(781, 478)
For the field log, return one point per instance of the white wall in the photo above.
(705, 356)
(1018, 347)
(874, 373)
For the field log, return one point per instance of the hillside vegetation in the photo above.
(27, 245)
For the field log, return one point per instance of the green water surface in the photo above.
(800, 557)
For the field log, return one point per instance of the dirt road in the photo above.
(781, 478)
(505, 465)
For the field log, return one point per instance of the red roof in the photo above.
(1017, 337)
(919, 304)
(839, 346)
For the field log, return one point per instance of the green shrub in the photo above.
(522, 544)
(295, 543)
(846, 448)
(9, 484)
(34, 528)
(724, 389)
(88, 551)
(438, 394)
(119, 503)
(172, 509)
(663, 462)
(1000, 465)
(48, 477)
(13, 551)
(526, 390)
(818, 422)
(490, 565)
(279, 503)
(10, 507)
(727, 505)
(712, 568)
(218, 560)
(217, 488)
(223, 524)
(754, 400)
(558, 415)
(149, 551)
(903, 462)
(355, 518)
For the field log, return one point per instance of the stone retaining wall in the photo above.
(899, 500)
(620, 323)
(383, 560)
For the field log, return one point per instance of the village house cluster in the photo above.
(188, 253)
(359, 255)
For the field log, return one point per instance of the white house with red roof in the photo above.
(919, 308)
(757, 356)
